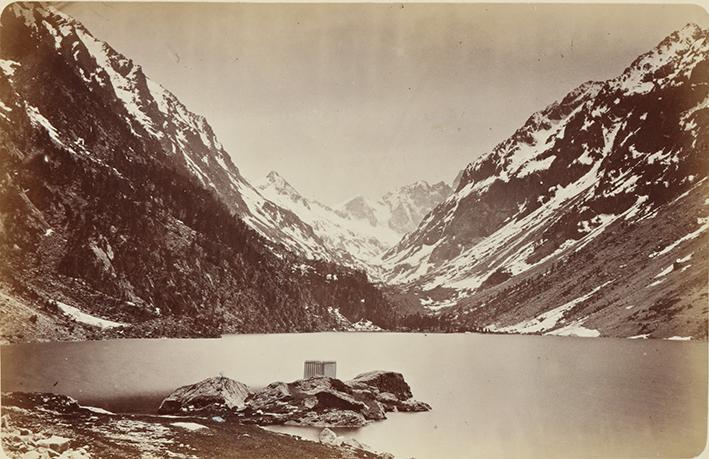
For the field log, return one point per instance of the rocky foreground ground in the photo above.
(214, 418)
(46, 425)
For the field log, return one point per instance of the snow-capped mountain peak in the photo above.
(278, 185)
(360, 230)
(400, 210)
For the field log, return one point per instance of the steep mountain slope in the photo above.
(590, 218)
(359, 232)
(151, 112)
(400, 210)
(118, 206)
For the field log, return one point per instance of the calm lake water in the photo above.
(492, 395)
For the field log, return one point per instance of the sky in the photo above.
(358, 99)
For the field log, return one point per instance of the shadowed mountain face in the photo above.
(591, 218)
(119, 202)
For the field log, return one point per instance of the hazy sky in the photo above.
(348, 99)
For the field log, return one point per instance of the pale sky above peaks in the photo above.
(358, 99)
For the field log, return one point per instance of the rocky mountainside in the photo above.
(589, 220)
(360, 231)
(155, 115)
(121, 214)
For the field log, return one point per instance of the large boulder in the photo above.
(274, 392)
(388, 389)
(318, 401)
(215, 395)
(386, 381)
(329, 437)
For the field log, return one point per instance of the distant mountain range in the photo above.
(121, 214)
(400, 210)
(360, 230)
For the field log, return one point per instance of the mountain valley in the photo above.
(122, 215)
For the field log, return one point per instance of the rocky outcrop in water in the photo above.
(329, 402)
(389, 389)
(318, 401)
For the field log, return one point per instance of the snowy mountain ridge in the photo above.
(400, 210)
(151, 111)
(357, 245)
(359, 238)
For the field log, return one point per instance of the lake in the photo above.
(492, 395)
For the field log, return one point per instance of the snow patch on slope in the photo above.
(549, 319)
(88, 319)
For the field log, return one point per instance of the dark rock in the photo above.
(389, 390)
(374, 410)
(319, 401)
(412, 405)
(386, 381)
(49, 401)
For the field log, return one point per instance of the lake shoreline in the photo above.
(52, 424)
(614, 397)
(99, 338)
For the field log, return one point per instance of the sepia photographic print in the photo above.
(353, 230)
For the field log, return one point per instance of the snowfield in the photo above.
(88, 319)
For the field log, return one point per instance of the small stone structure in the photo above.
(320, 368)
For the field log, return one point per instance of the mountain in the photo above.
(400, 210)
(119, 206)
(589, 220)
(353, 242)
(358, 232)
(151, 112)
